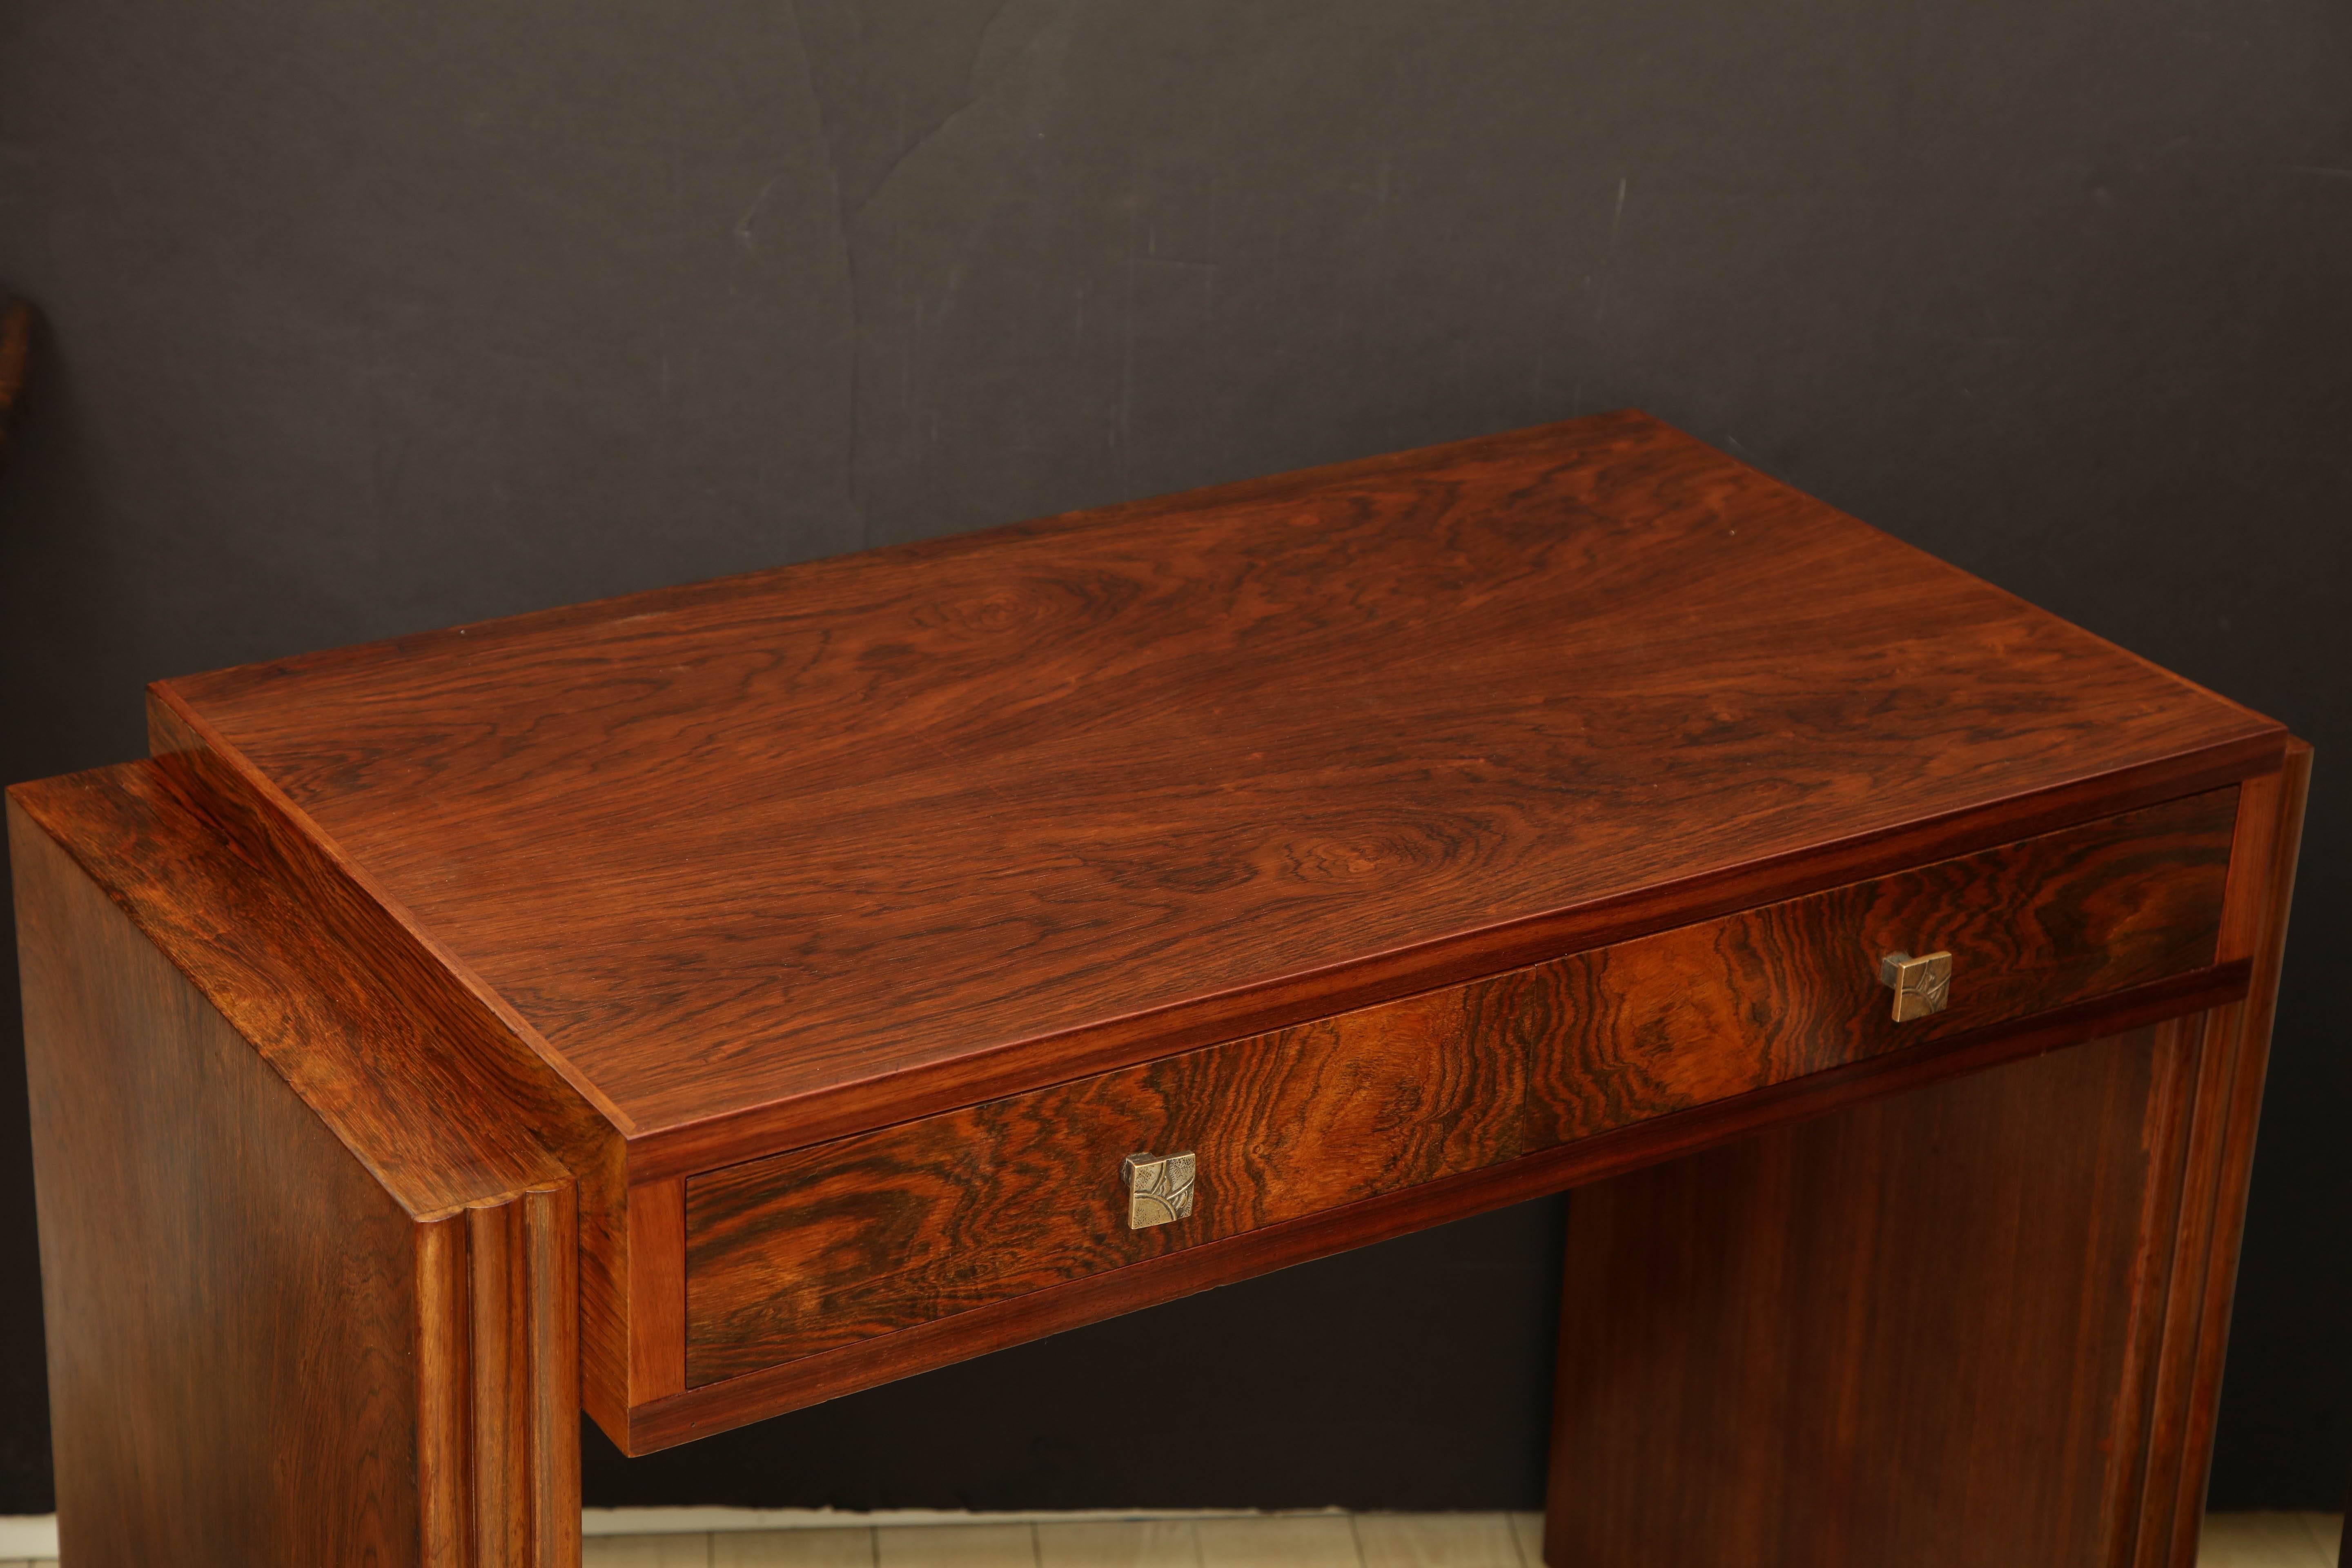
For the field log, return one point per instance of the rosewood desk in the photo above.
(706, 1003)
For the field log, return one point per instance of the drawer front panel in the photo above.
(806, 1251)
(1694, 1015)
(795, 1253)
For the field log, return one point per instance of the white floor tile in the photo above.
(1436, 1540)
(2259, 1540)
(792, 1549)
(646, 1551)
(2328, 1532)
(1312, 1541)
(956, 1546)
(1120, 1544)
(1529, 1528)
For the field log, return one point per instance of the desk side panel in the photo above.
(1909, 1332)
(231, 1299)
(260, 1356)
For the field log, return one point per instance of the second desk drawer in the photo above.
(818, 1248)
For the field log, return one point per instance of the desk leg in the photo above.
(258, 1359)
(1978, 1325)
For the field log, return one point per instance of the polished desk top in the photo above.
(777, 980)
(786, 856)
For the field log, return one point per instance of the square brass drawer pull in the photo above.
(1158, 1188)
(1921, 985)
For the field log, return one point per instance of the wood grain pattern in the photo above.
(2193, 1225)
(1805, 1330)
(626, 894)
(554, 1322)
(443, 1119)
(265, 1353)
(791, 1385)
(497, 1353)
(2220, 1141)
(231, 1298)
(657, 1289)
(806, 1251)
(552, 1261)
(523, 1371)
(498, 1378)
(445, 1394)
(794, 856)
(795, 1253)
(2262, 856)
(1643, 1028)
(1845, 1353)
(444, 1105)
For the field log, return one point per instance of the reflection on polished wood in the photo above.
(706, 1003)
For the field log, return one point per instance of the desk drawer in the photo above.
(822, 1246)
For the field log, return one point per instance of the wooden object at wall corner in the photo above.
(699, 1004)
(16, 362)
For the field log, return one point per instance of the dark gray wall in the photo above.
(367, 316)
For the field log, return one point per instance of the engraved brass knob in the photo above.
(1921, 985)
(1158, 1188)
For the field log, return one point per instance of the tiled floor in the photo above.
(2270, 1540)
(1316, 1541)
(1296, 1541)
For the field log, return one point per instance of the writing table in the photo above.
(706, 1003)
